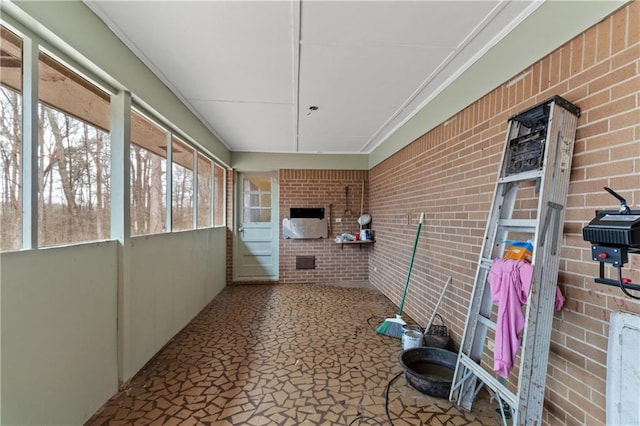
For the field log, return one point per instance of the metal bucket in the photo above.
(412, 339)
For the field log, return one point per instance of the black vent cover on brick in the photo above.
(305, 262)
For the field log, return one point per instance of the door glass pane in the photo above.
(257, 184)
(257, 200)
(256, 215)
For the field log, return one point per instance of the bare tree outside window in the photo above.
(10, 141)
(148, 176)
(205, 191)
(182, 197)
(73, 157)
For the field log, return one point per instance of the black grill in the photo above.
(613, 236)
(613, 228)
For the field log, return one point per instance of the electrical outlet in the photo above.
(338, 219)
(490, 344)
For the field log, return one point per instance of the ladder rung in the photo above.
(486, 321)
(486, 263)
(519, 225)
(493, 383)
(520, 177)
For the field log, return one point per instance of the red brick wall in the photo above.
(322, 188)
(450, 173)
(230, 223)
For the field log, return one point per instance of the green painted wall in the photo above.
(264, 162)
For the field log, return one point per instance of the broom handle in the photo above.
(413, 256)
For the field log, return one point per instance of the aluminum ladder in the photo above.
(528, 205)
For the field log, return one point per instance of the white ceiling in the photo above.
(252, 69)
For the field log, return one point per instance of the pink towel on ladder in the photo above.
(510, 282)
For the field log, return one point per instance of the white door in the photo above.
(256, 236)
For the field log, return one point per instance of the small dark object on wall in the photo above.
(305, 262)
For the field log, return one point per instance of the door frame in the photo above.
(237, 221)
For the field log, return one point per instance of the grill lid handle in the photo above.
(624, 208)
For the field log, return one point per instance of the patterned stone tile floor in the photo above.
(283, 355)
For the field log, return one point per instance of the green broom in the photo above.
(393, 326)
